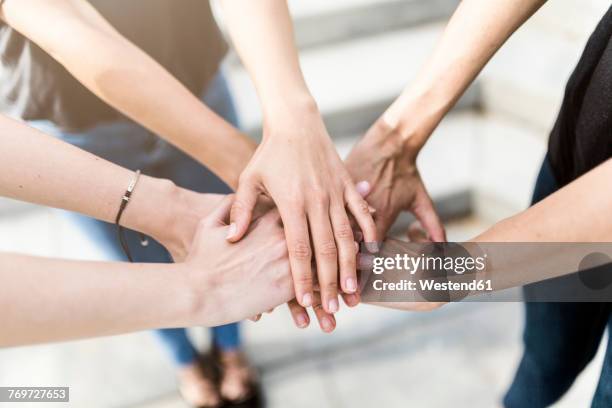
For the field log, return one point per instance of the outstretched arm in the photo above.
(296, 164)
(475, 32)
(114, 69)
(41, 169)
(46, 300)
(576, 214)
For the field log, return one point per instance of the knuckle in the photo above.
(328, 249)
(319, 196)
(238, 206)
(295, 201)
(331, 286)
(344, 230)
(300, 250)
(362, 207)
(348, 263)
(303, 280)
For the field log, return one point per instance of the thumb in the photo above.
(425, 212)
(219, 214)
(242, 211)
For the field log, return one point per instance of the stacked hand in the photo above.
(297, 166)
(233, 281)
(396, 185)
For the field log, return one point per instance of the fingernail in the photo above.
(307, 300)
(358, 236)
(356, 247)
(351, 285)
(231, 231)
(333, 305)
(327, 324)
(363, 188)
(371, 209)
(302, 321)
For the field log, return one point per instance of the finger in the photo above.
(363, 188)
(218, 216)
(326, 253)
(351, 299)
(242, 210)
(361, 211)
(300, 253)
(425, 212)
(347, 247)
(327, 322)
(299, 314)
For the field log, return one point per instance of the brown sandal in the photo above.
(238, 380)
(198, 386)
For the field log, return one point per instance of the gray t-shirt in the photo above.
(181, 35)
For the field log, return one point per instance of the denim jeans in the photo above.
(560, 339)
(132, 146)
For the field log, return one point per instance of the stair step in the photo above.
(322, 22)
(352, 82)
(526, 79)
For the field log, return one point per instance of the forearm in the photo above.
(44, 300)
(473, 35)
(262, 33)
(579, 212)
(129, 80)
(552, 237)
(40, 169)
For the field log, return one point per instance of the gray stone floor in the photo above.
(461, 355)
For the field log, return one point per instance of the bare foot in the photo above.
(237, 376)
(197, 388)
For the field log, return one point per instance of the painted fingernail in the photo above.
(352, 300)
(363, 188)
(231, 231)
(351, 285)
(307, 300)
(333, 305)
(327, 324)
(302, 320)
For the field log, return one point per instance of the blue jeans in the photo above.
(560, 339)
(134, 147)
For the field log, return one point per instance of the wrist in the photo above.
(157, 208)
(413, 117)
(290, 108)
(195, 292)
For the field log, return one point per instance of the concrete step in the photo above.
(323, 22)
(526, 79)
(352, 82)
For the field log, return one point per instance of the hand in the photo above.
(415, 233)
(169, 214)
(234, 281)
(390, 168)
(297, 166)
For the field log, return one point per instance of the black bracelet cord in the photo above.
(121, 230)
